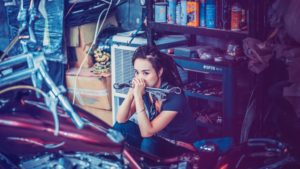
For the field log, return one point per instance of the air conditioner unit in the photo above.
(121, 66)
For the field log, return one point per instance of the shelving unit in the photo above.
(225, 69)
(159, 27)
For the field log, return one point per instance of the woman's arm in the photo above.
(127, 108)
(149, 128)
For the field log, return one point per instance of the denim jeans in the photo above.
(47, 28)
(152, 145)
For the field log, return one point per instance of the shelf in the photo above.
(220, 33)
(198, 65)
(227, 69)
(202, 96)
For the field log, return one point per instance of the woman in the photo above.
(149, 122)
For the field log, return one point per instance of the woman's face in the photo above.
(143, 69)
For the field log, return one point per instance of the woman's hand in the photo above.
(138, 87)
(130, 91)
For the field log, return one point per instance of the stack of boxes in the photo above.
(86, 89)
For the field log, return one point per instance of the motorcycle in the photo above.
(44, 130)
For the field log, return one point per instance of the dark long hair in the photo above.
(159, 60)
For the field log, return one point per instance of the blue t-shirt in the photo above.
(183, 126)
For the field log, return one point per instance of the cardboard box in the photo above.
(84, 34)
(90, 89)
(81, 37)
(104, 115)
(82, 57)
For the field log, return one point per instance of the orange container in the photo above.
(192, 9)
(236, 17)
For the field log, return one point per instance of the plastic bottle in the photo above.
(202, 12)
(160, 9)
(193, 13)
(225, 14)
(171, 12)
(210, 20)
(236, 16)
(183, 18)
(178, 13)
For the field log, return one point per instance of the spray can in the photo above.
(193, 13)
(243, 24)
(160, 10)
(202, 13)
(225, 14)
(183, 18)
(178, 13)
(236, 17)
(210, 20)
(171, 12)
